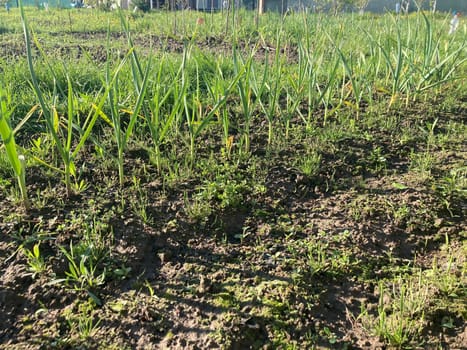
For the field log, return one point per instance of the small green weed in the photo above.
(198, 208)
(82, 271)
(422, 164)
(82, 322)
(35, 260)
(310, 164)
(377, 160)
(400, 315)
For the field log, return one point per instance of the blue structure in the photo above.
(40, 3)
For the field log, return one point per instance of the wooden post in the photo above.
(260, 7)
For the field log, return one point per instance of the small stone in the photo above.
(164, 256)
(205, 284)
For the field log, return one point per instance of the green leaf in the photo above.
(72, 169)
(36, 251)
(399, 186)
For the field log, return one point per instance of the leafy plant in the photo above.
(82, 321)
(245, 91)
(310, 163)
(64, 143)
(16, 160)
(198, 208)
(400, 313)
(82, 271)
(140, 80)
(34, 259)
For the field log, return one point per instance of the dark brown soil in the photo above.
(74, 46)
